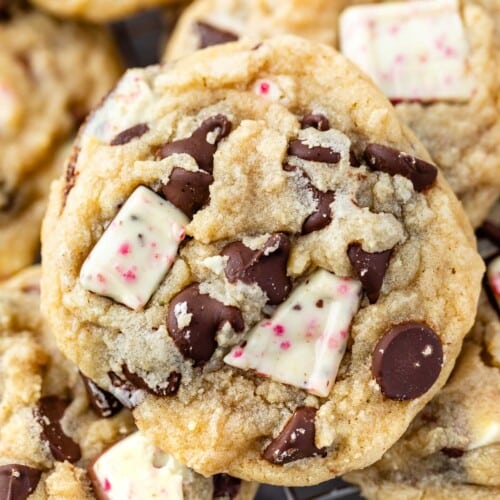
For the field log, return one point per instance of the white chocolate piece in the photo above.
(10, 108)
(412, 50)
(134, 469)
(304, 342)
(486, 431)
(137, 249)
(494, 278)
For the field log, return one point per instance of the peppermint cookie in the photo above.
(98, 10)
(211, 22)
(445, 86)
(452, 449)
(264, 264)
(62, 437)
(51, 74)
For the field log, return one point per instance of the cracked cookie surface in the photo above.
(232, 243)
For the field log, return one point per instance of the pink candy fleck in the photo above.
(264, 88)
(238, 353)
(333, 343)
(343, 334)
(343, 289)
(125, 248)
(107, 485)
(279, 330)
(399, 59)
(101, 278)
(285, 345)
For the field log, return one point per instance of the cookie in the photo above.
(452, 449)
(62, 437)
(235, 245)
(460, 130)
(51, 74)
(98, 10)
(211, 22)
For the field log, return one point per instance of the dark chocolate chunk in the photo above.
(129, 394)
(71, 173)
(452, 452)
(394, 162)
(197, 340)
(103, 403)
(296, 440)
(211, 35)
(315, 120)
(312, 153)
(187, 190)
(353, 159)
(197, 144)
(226, 486)
(407, 360)
(130, 133)
(17, 481)
(491, 231)
(169, 388)
(370, 268)
(323, 215)
(48, 413)
(266, 267)
(5, 6)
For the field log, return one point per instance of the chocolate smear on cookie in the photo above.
(211, 35)
(102, 402)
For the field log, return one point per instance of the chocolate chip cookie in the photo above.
(253, 252)
(51, 74)
(445, 86)
(98, 10)
(63, 437)
(452, 449)
(211, 22)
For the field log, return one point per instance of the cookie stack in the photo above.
(259, 258)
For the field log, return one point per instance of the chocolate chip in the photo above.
(370, 268)
(48, 413)
(187, 190)
(319, 304)
(130, 133)
(71, 173)
(315, 120)
(197, 144)
(394, 162)
(169, 388)
(196, 341)
(452, 452)
(491, 231)
(211, 35)
(17, 481)
(266, 267)
(323, 215)
(129, 395)
(5, 14)
(407, 360)
(353, 159)
(103, 403)
(296, 440)
(225, 486)
(312, 153)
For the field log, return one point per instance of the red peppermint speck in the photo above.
(264, 88)
(267, 323)
(101, 278)
(333, 343)
(125, 248)
(343, 334)
(129, 275)
(285, 345)
(394, 29)
(107, 485)
(399, 58)
(279, 330)
(238, 353)
(343, 289)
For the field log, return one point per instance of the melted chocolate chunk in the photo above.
(169, 388)
(312, 153)
(130, 395)
(103, 403)
(315, 120)
(71, 173)
(48, 413)
(196, 341)
(211, 35)
(266, 267)
(17, 481)
(453, 452)
(353, 159)
(296, 440)
(127, 135)
(5, 10)
(370, 268)
(226, 486)
(491, 231)
(323, 215)
(197, 144)
(187, 190)
(394, 162)
(407, 360)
